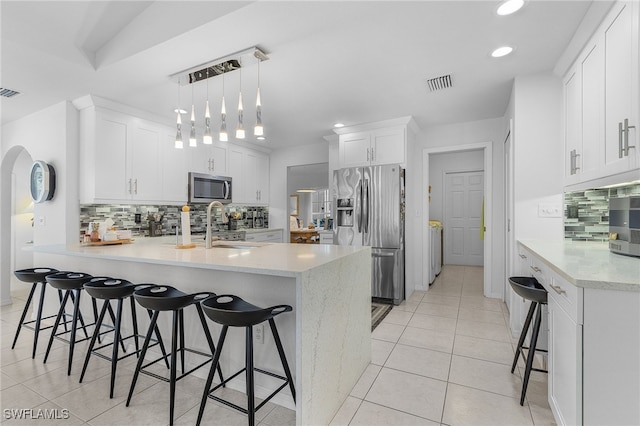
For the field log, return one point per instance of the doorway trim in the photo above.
(487, 149)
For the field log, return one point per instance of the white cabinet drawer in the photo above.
(566, 295)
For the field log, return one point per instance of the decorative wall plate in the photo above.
(42, 181)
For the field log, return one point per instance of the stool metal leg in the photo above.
(212, 373)
(65, 312)
(38, 319)
(145, 346)
(74, 328)
(523, 335)
(113, 321)
(61, 312)
(94, 337)
(114, 355)
(160, 342)
(251, 403)
(207, 334)
(24, 314)
(532, 352)
(134, 318)
(172, 376)
(283, 358)
(84, 328)
(181, 321)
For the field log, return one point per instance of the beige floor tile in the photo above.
(483, 330)
(436, 340)
(406, 306)
(20, 396)
(473, 407)
(380, 351)
(56, 383)
(481, 302)
(366, 380)
(6, 381)
(480, 315)
(440, 299)
(433, 322)
(488, 350)
(448, 311)
(485, 375)
(387, 332)
(397, 317)
(410, 393)
(475, 289)
(416, 296)
(47, 413)
(346, 412)
(376, 415)
(234, 396)
(280, 416)
(542, 416)
(420, 361)
(28, 368)
(213, 414)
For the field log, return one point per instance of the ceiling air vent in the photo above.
(439, 83)
(8, 93)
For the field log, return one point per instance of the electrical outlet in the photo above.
(549, 210)
(41, 220)
(258, 333)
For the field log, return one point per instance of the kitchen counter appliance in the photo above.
(624, 225)
(369, 206)
(204, 188)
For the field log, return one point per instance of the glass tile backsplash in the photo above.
(137, 217)
(586, 213)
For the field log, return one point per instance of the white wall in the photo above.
(21, 219)
(50, 135)
(538, 154)
(439, 164)
(280, 160)
(452, 135)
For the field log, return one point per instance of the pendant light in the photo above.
(192, 133)
(178, 144)
(258, 130)
(223, 115)
(240, 128)
(207, 139)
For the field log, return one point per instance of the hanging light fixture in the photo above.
(240, 128)
(223, 115)
(192, 133)
(207, 139)
(258, 130)
(178, 144)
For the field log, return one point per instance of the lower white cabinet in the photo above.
(268, 235)
(326, 237)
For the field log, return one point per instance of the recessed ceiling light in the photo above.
(181, 111)
(502, 51)
(509, 7)
(338, 125)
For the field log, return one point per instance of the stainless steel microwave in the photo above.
(624, 225)
(204, 188)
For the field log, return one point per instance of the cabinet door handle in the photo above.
(213, 164)
(620, 144)
(625, 131)
(373, 155)
(129, 186)
(522, 256)
(558, 289)
(572, 163)
(536, 269)
(368, 154)
(135, 186)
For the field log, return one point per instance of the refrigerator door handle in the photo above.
(367, 206)
(382, 254)
(359, 207)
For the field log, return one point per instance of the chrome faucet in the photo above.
(224, 220)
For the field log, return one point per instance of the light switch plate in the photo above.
(549, 210)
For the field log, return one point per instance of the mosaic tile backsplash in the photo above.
(136, 217)
(586, 213)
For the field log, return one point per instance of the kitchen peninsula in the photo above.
(326, 338)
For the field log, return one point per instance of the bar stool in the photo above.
(158, 298)
(530, 289)
(232, 311)
(108, 289)
(71, 283)
(34, 276)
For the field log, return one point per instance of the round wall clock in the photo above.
(42, 181)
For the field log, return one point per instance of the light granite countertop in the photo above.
(588, 264)
(257, 230)
(287, 260)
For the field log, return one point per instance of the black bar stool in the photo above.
(108, 289)
(71, 283)
(530, 289)
(232, 311)
(159, 298)
(34, 276)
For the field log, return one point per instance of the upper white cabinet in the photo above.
(601, 101)
(250, 172)
(210, 159)
(374, 144)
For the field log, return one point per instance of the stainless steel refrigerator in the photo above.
(369, 211)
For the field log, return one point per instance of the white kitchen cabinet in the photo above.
(174, 171)
(326, 237)
(380, 146)
(268, 235)
(144, 180)
(250, 172)
(600, 96)
(209, 159)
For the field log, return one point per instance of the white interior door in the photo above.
(464, 193)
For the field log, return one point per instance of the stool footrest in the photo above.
(164, 379)
(521, 353)
(237, 407)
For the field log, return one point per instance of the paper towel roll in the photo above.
(186, 228)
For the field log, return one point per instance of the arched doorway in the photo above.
(16, 215)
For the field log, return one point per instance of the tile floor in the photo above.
(442, 357)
